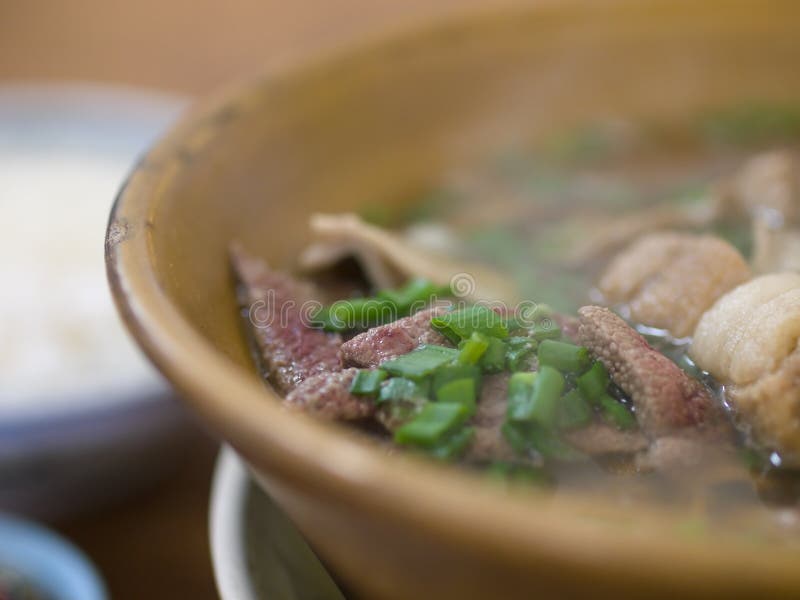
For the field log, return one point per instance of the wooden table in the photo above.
(155, 544)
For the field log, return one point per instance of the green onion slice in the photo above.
(459, 391)
(398, 389)
(594, 383)
(494, 359)
(367, 382)
(420, 362)
(471, 350)
(454, 444)
(520, 388)
(565, 357)
(433, 422)
(617, 413)
(574, 411)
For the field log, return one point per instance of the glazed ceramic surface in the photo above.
(377, 123)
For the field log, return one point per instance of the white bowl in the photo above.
(256, 550)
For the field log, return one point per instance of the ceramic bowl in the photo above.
(377, 122)
(256, 550)
(32, 557)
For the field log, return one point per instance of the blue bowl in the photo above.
(47, 562)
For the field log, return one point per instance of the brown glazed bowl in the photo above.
(375, 123)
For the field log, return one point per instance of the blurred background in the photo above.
(92, 443)
(186, 46)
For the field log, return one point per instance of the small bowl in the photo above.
(379, 122)
(47, 562)
(256, 550)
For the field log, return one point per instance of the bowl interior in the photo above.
(378, 125)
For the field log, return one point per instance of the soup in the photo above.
(615, 311)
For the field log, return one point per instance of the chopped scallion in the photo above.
(471, 350)
(398, 389)
(461, 390)
(454, 444)
(518, 351)
(432, 423)
(544, 399)
(564, 356)
(367, 382)
(574, 411)
(420, 362)
(494, 359)
(415, 295)
(514, 434)
(617, 413)
(545, 330)
(594, 383)
(356, 313)
(520, 388)
(463, 323)
(454, 372)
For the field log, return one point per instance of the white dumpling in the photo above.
(750, 341)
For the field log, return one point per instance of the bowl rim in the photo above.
(48, 560)
(309, 455)
(226, 522)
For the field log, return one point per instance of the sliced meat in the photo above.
(328, 395)
(668, 280)
(290, 350)
(379, 344)
(750, 341)
(599, 439)
(489, 444)
(665, 398)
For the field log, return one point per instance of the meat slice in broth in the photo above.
(666, 399)
(328, 395)
(382, 343)
(290, 350)
(489, 443)
(302, 363)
